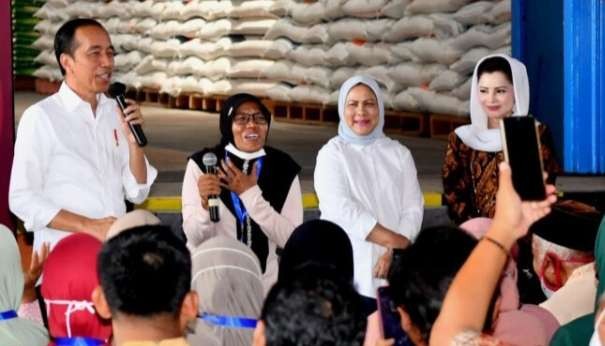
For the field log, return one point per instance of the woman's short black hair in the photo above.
(495, 64)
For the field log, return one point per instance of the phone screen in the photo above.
(389, 316)
(521, 146)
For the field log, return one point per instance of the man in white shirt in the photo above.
(75, 159)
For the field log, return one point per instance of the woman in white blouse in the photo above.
(367, 184)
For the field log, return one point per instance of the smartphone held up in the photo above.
(390, 319)
(521, 146)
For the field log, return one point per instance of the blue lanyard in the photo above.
(240, 210)
(78, 341)
(8, 315)
(228, 321)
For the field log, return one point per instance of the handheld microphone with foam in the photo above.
(117, 90)
(209, 160)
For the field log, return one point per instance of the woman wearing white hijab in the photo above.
(227, 277)
(367, 184)
(14, 331)
(499, 89)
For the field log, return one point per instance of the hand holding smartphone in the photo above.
(390, 320)
(521, 146)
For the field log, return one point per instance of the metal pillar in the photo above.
(584, 86)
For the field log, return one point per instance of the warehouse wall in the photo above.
(421, 51)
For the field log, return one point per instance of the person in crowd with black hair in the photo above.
(75, 158)
(367, 184)
(258, 188)
(321, 243)
(499, 89)
(467, 304)
(420, 276)
(316, 307)
(145, 276)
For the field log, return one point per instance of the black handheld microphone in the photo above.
(209, 160)
(116, 91)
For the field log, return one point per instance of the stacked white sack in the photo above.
(422, 52)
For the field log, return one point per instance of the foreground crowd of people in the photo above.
(246, 270)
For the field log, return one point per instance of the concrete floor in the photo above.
(175, 134)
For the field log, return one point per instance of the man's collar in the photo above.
(71, 100)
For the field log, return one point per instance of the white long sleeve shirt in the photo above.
(359, 186)
(68, 158)
(277, 226)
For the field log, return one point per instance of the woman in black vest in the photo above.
(259, 197)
